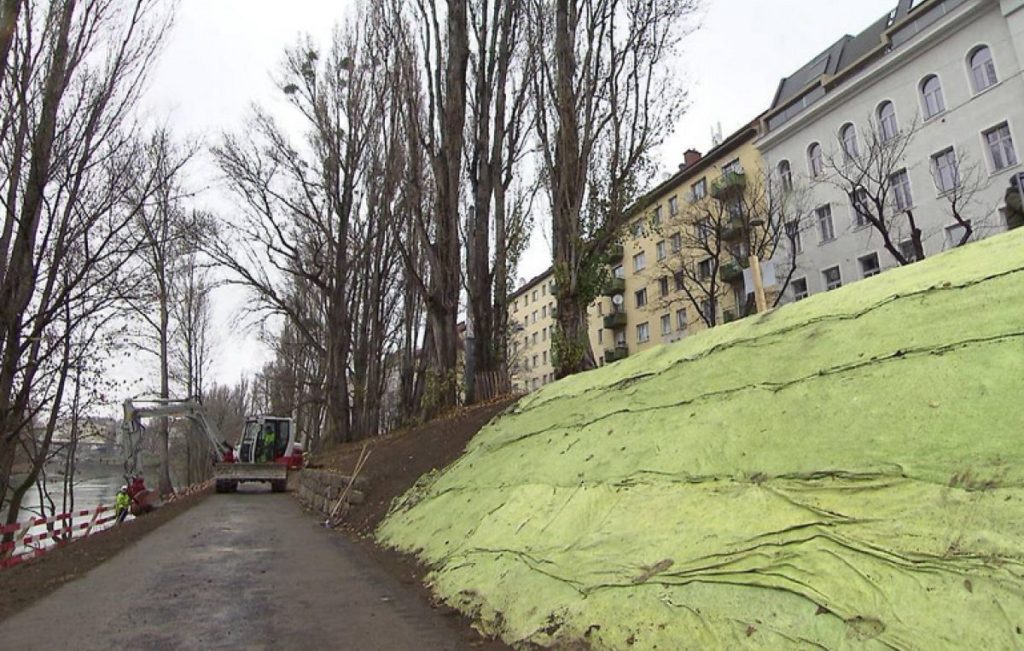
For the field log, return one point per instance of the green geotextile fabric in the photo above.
(844, 472)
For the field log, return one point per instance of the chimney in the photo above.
(690, 156)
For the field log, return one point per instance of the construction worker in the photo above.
(122, 504)
(269, 439)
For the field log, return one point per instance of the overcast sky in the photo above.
(222, 53)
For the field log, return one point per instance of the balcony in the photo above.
(732, 229)
(612, 355)
(730, 272)
(615, 286)
(615, 320)
(729, 186)
(613, 255)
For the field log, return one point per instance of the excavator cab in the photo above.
(270, 439)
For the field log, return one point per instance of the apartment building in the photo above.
(666, 272)
(532, 322)
(945, 76)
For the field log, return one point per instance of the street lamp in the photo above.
(755, 269)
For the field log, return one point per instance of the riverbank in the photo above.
(25, 584)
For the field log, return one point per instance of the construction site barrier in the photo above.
(23, 541)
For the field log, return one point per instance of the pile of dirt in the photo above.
(399, 459)
(843, 472)
(26, 583)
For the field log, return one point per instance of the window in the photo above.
(826, 228)
(1000, 147)
(543, 290)
(700, 189)
(618, 271)
(637, 228)
(799, 287)
(526, 341)
(660, 250)
(848, 140)
(707, 310)
(677, 243)
(681, 320)
(931, 97)
(888, 128)
(544, 334)
(673, 206)
(793, 233)
(833, 279)
(945, 170)
(534, 361)
(907, 250)
(861, 208)
(641, 297)
(666, 325)
(643, 333)
(639, 262)
(545, 356)
(600, 336)
(535, 294)
(704, 269)
(785, 176)
(900, 182)
(534, 337)
(955, 235)
(544, 312)
(533, 317)
(663, 286)
(703, 228)
(656, 217)
(680, 279)
(733, 167)
(869, 265)
(815, 160)
(983, 69)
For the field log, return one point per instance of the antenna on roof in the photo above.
(716, 135)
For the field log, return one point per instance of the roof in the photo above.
(810, 82)
(530, 284)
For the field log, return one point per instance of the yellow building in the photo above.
(532, 322)
(684, 246)
(682, 249)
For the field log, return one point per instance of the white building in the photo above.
(948, 71)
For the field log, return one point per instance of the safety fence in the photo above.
(24, 541)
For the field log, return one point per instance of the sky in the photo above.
(222, 54)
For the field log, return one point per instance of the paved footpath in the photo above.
(240, 571)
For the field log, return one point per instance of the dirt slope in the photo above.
(844, 472)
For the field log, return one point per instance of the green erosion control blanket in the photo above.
(842, 473)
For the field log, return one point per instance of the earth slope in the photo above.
(844, 472)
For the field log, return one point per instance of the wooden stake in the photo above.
(755, 271)
(364, 455)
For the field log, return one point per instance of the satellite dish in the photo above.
(617, 299)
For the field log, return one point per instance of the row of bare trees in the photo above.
(89, 211)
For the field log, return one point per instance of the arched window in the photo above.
(887, 126)
(983, 69)
(815, 160)
(848, 139)
(931, 96)
(786, 175)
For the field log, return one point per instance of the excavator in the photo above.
(267, 450)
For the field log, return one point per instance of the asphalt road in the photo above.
(240, 571)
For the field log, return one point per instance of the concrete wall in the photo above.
(319, 490)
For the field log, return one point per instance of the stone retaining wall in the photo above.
(320, 489)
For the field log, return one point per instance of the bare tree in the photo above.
(606, 99)
(959, 179)
(500, 124)
(873, 175)
(708, 244)
(69, 174)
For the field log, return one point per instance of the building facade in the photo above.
(917, 117)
